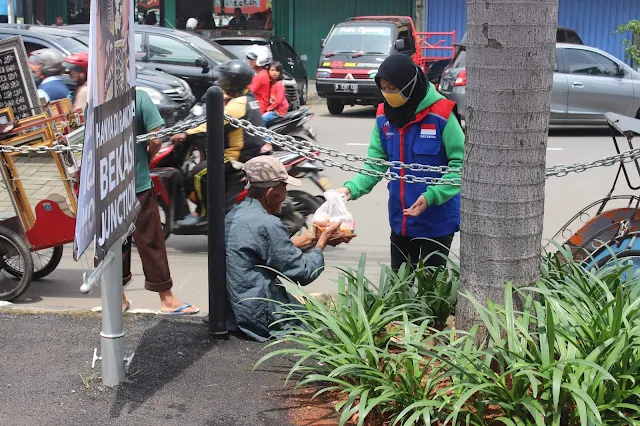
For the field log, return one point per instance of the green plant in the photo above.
(632, 49)
(571, 356)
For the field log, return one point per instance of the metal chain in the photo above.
(624, 157)
(350, 157)
(170, 131)
(307, 150)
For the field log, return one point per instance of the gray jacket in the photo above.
(258, 248)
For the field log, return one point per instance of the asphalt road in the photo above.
(348, 133)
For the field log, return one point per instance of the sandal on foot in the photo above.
(180, 311)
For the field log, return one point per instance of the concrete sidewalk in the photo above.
(178, 376)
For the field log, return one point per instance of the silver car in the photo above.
(587, 83)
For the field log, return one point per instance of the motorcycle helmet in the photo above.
(234, 76)
(78, 62)
(49, 60)
(192, 23)
(260, 54)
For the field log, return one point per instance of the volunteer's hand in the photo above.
(180, 137)
(417, 208)
(326, 235)
(344, 190)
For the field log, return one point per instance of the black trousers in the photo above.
(404, 248)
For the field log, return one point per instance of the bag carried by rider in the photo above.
(334, 210)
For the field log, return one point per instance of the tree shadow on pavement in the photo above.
(163, 353)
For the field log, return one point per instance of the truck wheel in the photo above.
(335, 106)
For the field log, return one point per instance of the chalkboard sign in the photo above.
(17, 88)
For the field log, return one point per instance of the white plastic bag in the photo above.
(334, 210)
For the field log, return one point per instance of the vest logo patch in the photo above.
(428, 131)
(254, 105)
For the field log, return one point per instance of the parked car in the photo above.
(179, 53)
(172, 96)
(292, 62)
(587, 83)
(436, 68)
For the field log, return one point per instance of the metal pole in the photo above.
(112, 334)
(216, 213)
(11, 13)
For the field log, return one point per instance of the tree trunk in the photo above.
(511, 58)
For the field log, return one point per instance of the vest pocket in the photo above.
(424, 148)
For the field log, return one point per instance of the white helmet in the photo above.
(261, 54)
(192, 23)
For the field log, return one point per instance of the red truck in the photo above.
(354, 49)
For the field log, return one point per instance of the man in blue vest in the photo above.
(46, 66)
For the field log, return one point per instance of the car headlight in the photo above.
(186, 86)
(157, 97)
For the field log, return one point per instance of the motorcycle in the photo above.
(168, 183)
(293, 123)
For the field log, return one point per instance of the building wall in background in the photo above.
(594, 20)
(305, 22)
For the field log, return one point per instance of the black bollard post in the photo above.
(216, 213)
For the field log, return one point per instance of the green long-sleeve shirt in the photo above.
(453, 140)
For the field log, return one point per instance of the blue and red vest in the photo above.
(420, 142)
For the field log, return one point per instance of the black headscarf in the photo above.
(399, 69)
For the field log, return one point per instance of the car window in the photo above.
(406, 36)
(238, 47)
(584, 62)
(278, 50)
(289, 51)
(138, 43)
(74, 45)
(561, 36)
(216, 52)
(573, 38)
(460, 60)
(168, 50)
(32, 47)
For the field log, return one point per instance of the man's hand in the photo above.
(179, 138)
(306, 239)
(417, 208)
(342, 239)
(326, 235)
(344, 190)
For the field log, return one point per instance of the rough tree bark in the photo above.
(511, 58)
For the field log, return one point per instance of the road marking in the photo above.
(555, 149)
(357, 144)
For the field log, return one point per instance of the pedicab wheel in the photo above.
(44, 263)
(14, 255)
(624, 258)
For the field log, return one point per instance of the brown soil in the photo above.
(321, 410)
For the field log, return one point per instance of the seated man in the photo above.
(240, 145)
(258, 245)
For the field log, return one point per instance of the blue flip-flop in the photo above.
(180, 311)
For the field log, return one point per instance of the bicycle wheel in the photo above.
(14, 255)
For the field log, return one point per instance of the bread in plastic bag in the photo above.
(334, 210)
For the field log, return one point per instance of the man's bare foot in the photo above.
(126, 304)
(169, 304)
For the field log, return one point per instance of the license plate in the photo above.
(445, 85)
(349, 88)
(325, 183)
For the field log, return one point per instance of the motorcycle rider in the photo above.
(234, 78)
(260, 58)
(78, 65)
(46, 66)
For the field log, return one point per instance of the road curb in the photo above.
(12, 308)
